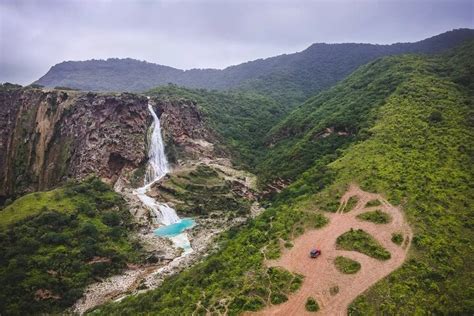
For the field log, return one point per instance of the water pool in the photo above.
(175, 229)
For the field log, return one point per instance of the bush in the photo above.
(311, 305)
(397, 238)
(435, 117)
(111, 219)
(278, 298)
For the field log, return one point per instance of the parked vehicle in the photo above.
(315, 253)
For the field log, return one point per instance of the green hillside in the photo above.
(53, 244)
(400, 126)
(241, 119)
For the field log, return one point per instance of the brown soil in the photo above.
(321, 274)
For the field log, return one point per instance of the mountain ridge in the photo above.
(289, 77)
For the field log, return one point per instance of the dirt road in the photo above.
(321, 275)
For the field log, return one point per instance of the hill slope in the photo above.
(241, 119)
(290, 78)
(415, 148)
(57, 242)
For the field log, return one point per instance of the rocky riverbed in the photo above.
(164, 259)
(169, 260)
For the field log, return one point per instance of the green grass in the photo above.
(376, 216)
(346, 265)
(397, 238)
(359, 240)
(351, 203)
(32, 204)
(49, 247)
(311, 305)
(373, 203)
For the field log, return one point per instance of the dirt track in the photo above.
(321, 274)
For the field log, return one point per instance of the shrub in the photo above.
(435, 117)
(111, 218)
(397, 238)
(278, 298)
(311, 305)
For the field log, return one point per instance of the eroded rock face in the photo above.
(185, 133)
(49, 136)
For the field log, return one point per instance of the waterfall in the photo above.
(157, 163)
(157, 168)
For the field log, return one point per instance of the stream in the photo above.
(172, 227)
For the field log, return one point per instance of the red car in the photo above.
(314, 253)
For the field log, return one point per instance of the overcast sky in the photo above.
(34, 35)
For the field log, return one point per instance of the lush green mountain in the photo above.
(401, 126)
(288, 78)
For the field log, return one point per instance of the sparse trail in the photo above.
(321, 274)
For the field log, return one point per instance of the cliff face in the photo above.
(47, 137)
(185, 133)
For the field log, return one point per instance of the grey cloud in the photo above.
(34, 35)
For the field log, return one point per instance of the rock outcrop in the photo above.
(185, 133)
(49, 136)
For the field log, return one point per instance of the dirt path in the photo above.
(321, 274)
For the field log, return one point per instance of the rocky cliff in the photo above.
(48, 136)
(185, 133)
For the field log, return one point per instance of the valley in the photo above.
(177, 200)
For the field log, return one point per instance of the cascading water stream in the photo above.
(157, 168)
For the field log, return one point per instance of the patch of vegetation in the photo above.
(63, 241)
(359, 240)
(201, 191)
(334, 290)
(311, 305)
(397, 238)
(137, 176)
(376, 216)
(351, 203)
(32, 204)
(346, 265)
(373, 203)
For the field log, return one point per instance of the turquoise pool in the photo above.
(176, 228)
